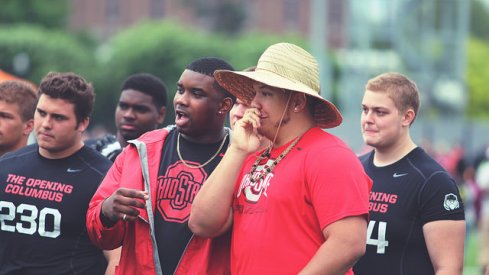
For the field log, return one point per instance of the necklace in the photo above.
(205, 163)
(268, 169)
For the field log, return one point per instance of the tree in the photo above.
(479, 20)
(477, 76)
(160, 48)
(229, 17)
(164, 49)
(50, 14)
(41, 50)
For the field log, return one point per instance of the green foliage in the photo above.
(164, 49)
(246, 49)
(160, 48)
(229, 17)
(479, 20)
(50, 14)
(477, 76)
(46, 50)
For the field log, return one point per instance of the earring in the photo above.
(220, 112)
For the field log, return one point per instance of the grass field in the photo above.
(470, 266)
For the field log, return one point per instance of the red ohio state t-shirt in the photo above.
(278, 221)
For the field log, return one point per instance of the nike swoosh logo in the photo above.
(71, 170)
(396, 175)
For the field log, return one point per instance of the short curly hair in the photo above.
(21, 93)
(72, 88)
(207, 66)
(148, 84)
(402, 90)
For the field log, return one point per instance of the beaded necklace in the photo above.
(205, 163)
(268, 169)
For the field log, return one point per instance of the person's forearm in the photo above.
(112, 257)
(211, 209)
(331, 261)
(345, 243)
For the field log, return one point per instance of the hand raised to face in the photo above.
(245, 134)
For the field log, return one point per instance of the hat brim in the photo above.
(240, 84)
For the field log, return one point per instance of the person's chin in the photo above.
(269, 134)
(183, 125)
(370, 142)
(127, 138)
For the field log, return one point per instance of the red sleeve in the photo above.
(338, 185)
(103, 237)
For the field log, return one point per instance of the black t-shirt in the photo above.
(177, 187)
(405, 195)
(43, 205)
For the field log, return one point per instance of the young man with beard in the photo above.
(17, 105)
(144, 202)
(416, 215)
(141, 108)
(307, 192)
(46, 187)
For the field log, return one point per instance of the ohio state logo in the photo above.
(177, 190)
(254, 190)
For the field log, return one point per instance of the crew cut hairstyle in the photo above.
(402, 90)
(22, 94)
(148, 84)
(72, 88)
(207, 66)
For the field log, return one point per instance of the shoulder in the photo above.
(324, 144)
(326, 152)
(22, 152)
(366, 158)
(94, 159)
(423, 163)
(157, 135)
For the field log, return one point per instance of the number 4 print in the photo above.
(380, 242)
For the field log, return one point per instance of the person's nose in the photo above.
(181, 99)
(367, 117)
(255, 103)
(46, 123)
(129, 113)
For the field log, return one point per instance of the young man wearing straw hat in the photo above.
(301, 205)
(144, 201)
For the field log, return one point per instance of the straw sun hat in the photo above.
(285, 66)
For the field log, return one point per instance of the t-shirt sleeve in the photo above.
(338, 185)
(440, 199)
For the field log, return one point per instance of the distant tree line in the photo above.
(41, 44)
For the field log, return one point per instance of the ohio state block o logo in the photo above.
(177, 190)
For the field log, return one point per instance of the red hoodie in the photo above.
(201, 256)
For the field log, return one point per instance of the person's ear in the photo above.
(161, 115)
(299, 102)
(225, 106)
(408, 117)
(28, 126)
(83, 125)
